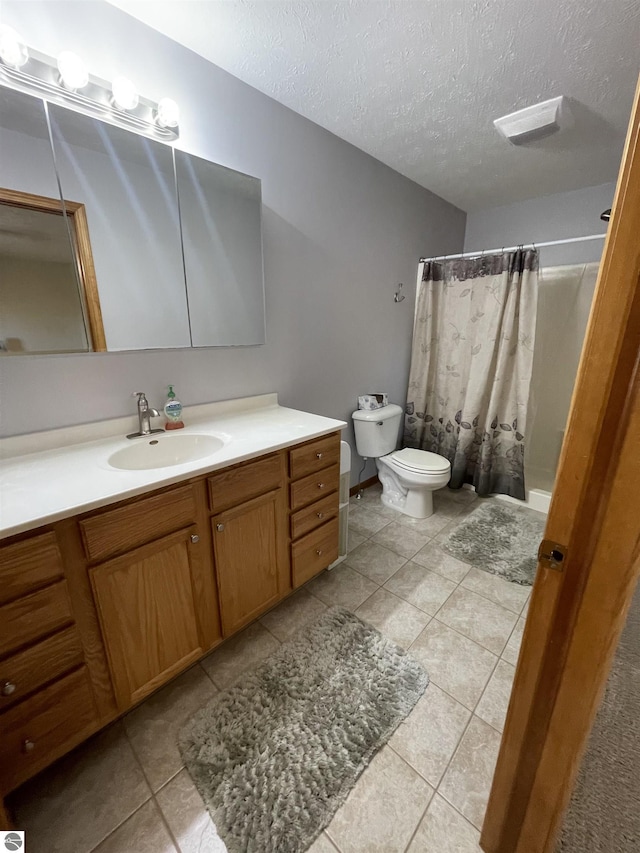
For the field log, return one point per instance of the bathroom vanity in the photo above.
(113, 581)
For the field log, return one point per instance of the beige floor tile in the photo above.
(144, 832)
(375, 562)
(239, 654)
(443, 504)
(467, 782)
(492, 707)
(396, 619)
(402, 539)
(512, 649)
(456, 664)
(436, 560)
(462, 496)
(342, 587)
(187, 817)
(153, 727)
(513, 596)
(383, 809)
(430, 526)
(293, 614)
(476, 617)
(365, 520)
(78, 802)
(420, 587)
(525, 609)
(444, 830)
(427, 738)
(354, 539)
(322, 844)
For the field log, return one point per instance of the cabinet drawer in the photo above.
(39, 664)
(38, 730)
(315, 486)
(314, 552)
(127, 527)
(27, 565)
(313, 516)
(250, 480)
(314, 456)
(34, 616)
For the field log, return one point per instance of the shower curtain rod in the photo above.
(513, 248)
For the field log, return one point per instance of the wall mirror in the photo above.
(174, 240)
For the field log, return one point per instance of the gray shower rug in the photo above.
(274, 756)
(500, 538)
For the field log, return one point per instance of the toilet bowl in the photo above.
(409, 477)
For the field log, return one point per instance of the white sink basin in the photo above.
(162, 451)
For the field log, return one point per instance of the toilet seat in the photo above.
(419, 461)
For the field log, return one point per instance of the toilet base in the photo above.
(417, 504)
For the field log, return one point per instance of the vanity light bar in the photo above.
(40, 75)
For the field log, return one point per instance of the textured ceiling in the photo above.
(417, 83)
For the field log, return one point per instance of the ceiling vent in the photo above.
(536, 122)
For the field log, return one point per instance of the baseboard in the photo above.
(372, 481)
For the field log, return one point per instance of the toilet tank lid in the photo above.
(383, 414)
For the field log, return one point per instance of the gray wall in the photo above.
(340, 231)
(552, 217)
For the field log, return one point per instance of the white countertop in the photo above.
(52, 475)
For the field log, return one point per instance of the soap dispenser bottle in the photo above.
(173, 411)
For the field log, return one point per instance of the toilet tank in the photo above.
(377, 430)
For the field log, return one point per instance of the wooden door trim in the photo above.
(83, 256)
(560, 677)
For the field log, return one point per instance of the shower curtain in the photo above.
(471, 363)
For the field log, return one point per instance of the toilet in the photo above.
(409, 477)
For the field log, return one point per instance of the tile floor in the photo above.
(125, 791)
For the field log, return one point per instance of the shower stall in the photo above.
(565, 294)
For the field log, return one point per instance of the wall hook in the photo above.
(398, 297)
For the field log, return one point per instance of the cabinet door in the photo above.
(147, 613)
(249, 559)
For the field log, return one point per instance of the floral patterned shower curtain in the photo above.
(471, 363)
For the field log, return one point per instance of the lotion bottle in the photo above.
(173, 411)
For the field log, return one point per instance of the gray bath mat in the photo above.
(274, 756)
(500, 538)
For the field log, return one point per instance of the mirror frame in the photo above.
(76, 218)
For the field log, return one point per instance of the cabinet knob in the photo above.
(195, 538)
(319, 455)
(8, 688)
(219, 527)
(28, 745)
(319, 552)
(320, 514)
(321, 485)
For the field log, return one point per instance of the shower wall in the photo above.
(564, 301)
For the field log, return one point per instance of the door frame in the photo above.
(577, 614)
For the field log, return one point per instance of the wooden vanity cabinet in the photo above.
(249, 528)
(100, 610)
(47, 703)
(153, 584)
(314, 470)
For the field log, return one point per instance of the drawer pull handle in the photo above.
(8, 688)
(319, 455)
(28, 745)
(219, 527)
(321, 485)
(195, 538)
(318, 552)
(320, 514)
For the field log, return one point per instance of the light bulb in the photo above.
(13, 51)
(168, 113)
(73, 71)
(125, 96)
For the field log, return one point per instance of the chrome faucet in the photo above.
(145, 413)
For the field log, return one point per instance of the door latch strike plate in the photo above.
(552, 555)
